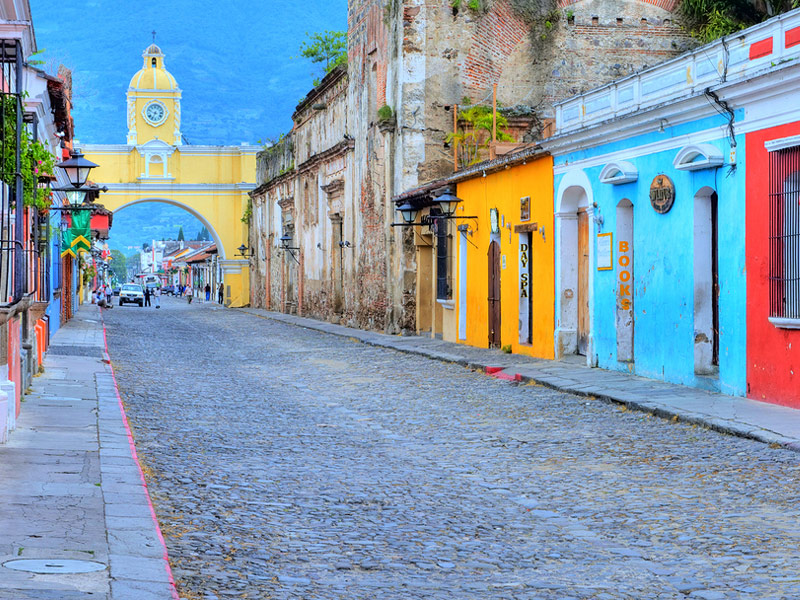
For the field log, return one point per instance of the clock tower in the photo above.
(154, 103)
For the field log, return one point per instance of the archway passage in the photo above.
(155, 165)
(193, 225)
(224, 228)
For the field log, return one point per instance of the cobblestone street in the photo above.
(286, 463)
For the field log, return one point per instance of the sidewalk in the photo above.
(768, 423)
(72, 494)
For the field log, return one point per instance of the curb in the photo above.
(720, 425)
(126, 585)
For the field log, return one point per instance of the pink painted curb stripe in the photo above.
(497, 373)
(135, 456)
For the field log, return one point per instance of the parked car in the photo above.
(131, 292)
(168, 290)
(115, 289)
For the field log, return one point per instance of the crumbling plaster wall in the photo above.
(420, 59)
(466, 52)
(370, 291)
(323, 190)
(275, 177)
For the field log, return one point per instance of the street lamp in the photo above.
(447, 202)
(243, 251)
(408, 212)
(77, 168)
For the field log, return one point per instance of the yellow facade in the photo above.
(520, 297)
(211, 182)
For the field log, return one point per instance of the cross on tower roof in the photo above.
(154, 35)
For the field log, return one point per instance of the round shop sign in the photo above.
(662, 194)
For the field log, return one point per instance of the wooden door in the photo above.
(494, 295)
(583, 282)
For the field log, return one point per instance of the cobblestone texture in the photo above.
(286, 463)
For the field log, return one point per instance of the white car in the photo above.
(131, 292)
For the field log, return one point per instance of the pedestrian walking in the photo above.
(208, 292)
(157, 294)
(189, 294)
(109, 295)
(146, 296)
(221, 293)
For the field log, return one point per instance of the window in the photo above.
(784, 234)
(444, 290)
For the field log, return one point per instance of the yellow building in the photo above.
(211, 182)
(488, 281)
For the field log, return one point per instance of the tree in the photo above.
(119, 265)
(180, 234)
(328, 48)
(712, 19)
(203, 235)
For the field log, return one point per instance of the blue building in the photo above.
(650, 210)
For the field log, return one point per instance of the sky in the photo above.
(232, 60)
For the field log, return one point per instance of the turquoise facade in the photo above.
(666, 325)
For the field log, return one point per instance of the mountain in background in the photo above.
(232, 60)
(150, 221)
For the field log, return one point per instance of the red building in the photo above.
(773, 255)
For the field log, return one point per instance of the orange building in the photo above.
(485, 275)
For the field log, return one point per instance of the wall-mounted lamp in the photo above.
(78, 194)
(286, 240)
(345, 244)
(447, 202)
(244, 251)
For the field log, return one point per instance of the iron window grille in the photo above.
(444, 289)
(784, 233)
(13, 279)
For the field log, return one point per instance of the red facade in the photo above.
(773, 354)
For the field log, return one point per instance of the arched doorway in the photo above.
(575, 257)
(495, 339)
(706, 282)
(625, 281)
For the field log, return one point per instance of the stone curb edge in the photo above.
(140, 575)
(725, 426)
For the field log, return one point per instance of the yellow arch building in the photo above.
(211, 182)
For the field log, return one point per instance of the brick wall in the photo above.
(494, 40)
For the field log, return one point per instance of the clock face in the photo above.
(155, 113)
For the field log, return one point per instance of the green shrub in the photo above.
(385, 113)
